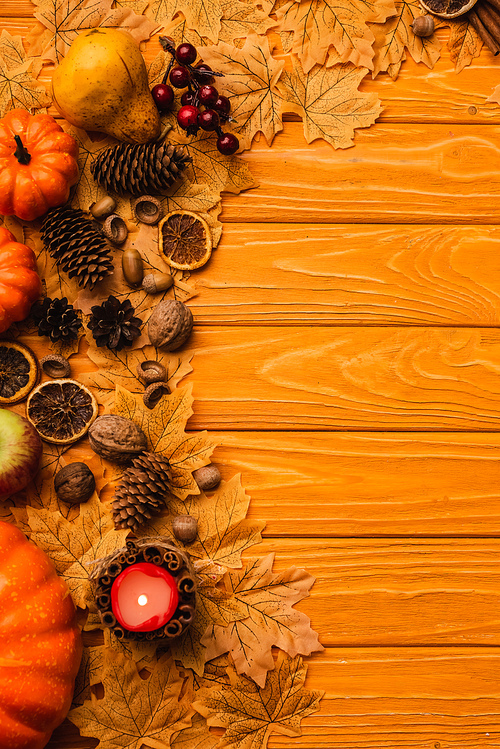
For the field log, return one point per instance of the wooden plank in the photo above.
(413, 174)
(348, 484)
(390, 698)
(321, 274)
(374, 379)
(398, 592)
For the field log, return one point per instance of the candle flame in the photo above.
(142, 600)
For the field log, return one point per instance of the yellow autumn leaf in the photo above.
(464, 43)
(250, 78)
(165, 427)
(329, 102)
(202, 15)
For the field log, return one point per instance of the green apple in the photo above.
(20, 452)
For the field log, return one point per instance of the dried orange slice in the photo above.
(61, 410)
(185, 240)
(18, 371)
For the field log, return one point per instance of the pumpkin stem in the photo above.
(21, 153)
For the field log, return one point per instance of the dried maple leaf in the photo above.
(329, 102)
(270, 620)
(223, 530)
(89, 674)
(202, 15)
(396, 35)
(73, 546)
(62, 20)
(464, 43)
(251, 75)
(318, 25)
(250, 714)
(120, 367)
(495, 96)
(19, 89)
(165, 427)
(138, 6)
(136, 712)
(197, 736)
(241, 17)
(87, 191)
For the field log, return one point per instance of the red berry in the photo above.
(208, 95)
(203, 73)
(227, 144)
(208, 120)
(187, 98)
(179, 77)
(187, 116)
(186, 53)
(222, 105)
(163, 96)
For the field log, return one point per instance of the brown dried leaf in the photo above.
(19, 89)
(395, 36)
(250, 78)
(142, 653)
(464, 43)
(6, 515)
(241, 17)
(165, 427)
(62, 20)
(197, 736)
(318, 25)
(202, 15)
(74, 545)
(87, 191)
(120, 367)
(495, 96)
(93, 660)
(329, 102)
(223, 530)
(138, 6)
(270, 620)
(150, 710)
(250, 714)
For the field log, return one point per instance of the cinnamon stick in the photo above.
(489, 21)
(494, 11)
(483, 32)
(495, 3)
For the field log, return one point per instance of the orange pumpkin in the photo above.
(19, 280)
(37, 164)
(40, 644)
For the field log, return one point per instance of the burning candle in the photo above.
(144, 597)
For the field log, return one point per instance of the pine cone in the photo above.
(75, 244)
(139, 169)
(142, 491)
(113, 324)
(56, 318)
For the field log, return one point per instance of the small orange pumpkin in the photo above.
(40, 644)
(38, 164)
(19, 280)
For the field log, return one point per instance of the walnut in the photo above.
(170, 325)
(74, 483)
(116, 438)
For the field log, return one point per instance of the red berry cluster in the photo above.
(202, 105)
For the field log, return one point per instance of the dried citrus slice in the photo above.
(185, 240)
(448, 8)
(61, 410)
(18, 371)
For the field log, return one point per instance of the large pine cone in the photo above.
(139, 169)
(142, 492)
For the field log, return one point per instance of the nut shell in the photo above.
(75, 483)
(154, 393)
(423, 26)
(115, 229)
(185, 528)
(208, 477)
(151, 371)
(170, 325)
(55, 366)
(116, 438)
(147, 209)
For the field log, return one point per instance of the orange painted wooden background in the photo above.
(347, 355)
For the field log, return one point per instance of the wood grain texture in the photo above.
(398, 592)
(348, 484)
(322, 274)
(412, 174)
(390, 698)
(373, 379)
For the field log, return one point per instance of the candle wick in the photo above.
(142, 600)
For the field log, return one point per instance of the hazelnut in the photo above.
(185, 528)
(74, 483)
(208, 477)
(116, 438)
(423, 26)
(170, 325)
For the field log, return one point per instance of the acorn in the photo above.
(423, 26)
(151, 371)
(115, 229)
(147, 209)
(132, 266)
(155, 283)
(185, 528)
(154, 393)
(55, 366)
(103, 208)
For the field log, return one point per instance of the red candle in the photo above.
(144, 597)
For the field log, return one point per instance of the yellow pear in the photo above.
(102, 84)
